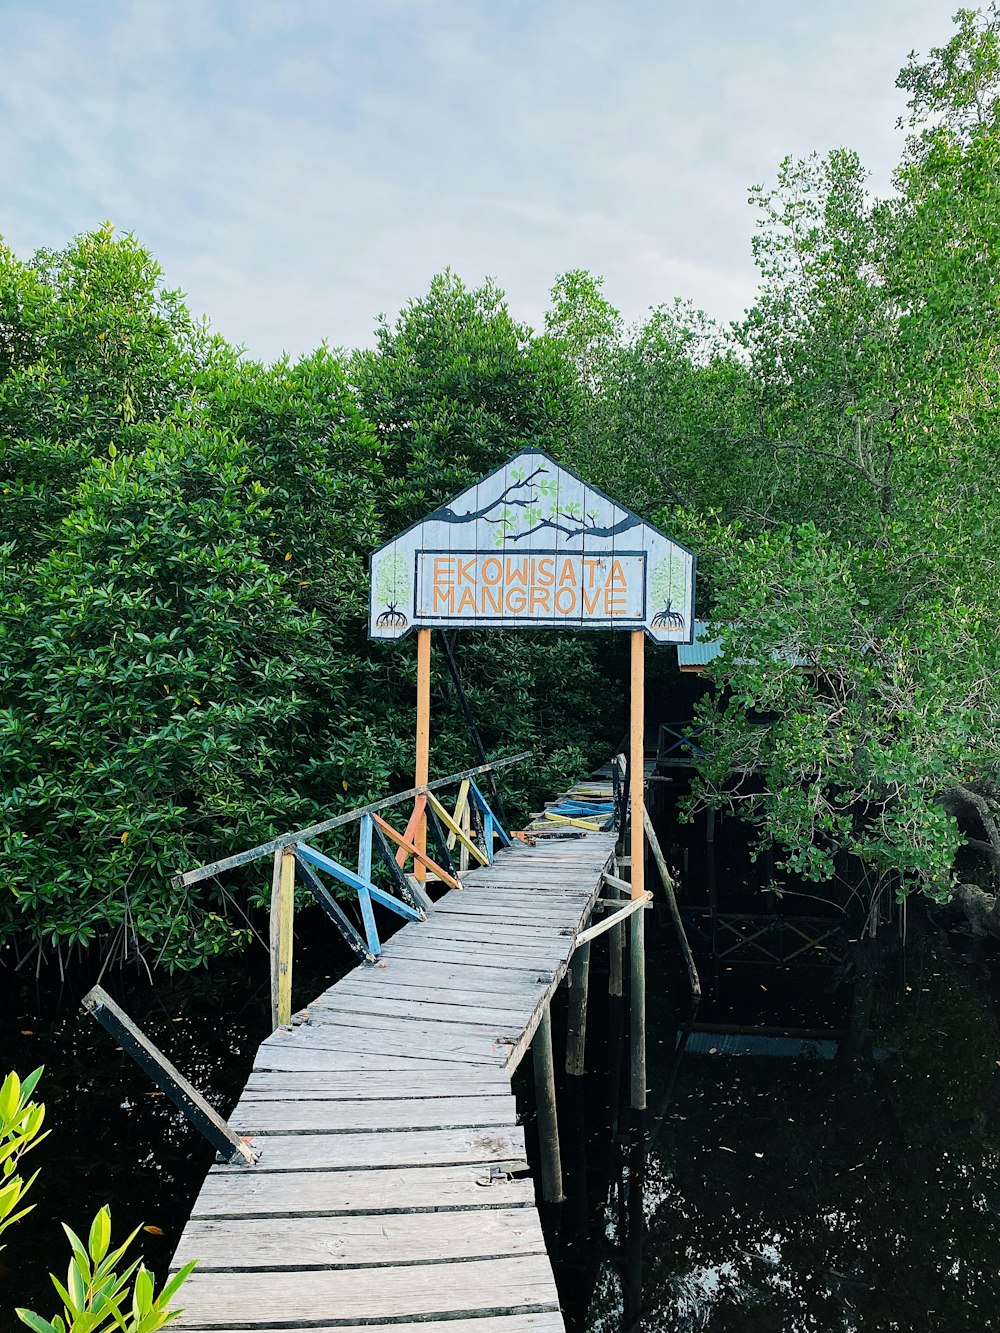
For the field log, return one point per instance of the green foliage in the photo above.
(832, 461)
(20, 1130)
(150, 666)
(93, 349)
(97, 1299)
(184, 663)
(584, 323)
(455, 387)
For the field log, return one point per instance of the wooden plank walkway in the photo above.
(392, 1187)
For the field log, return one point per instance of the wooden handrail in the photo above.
(300, 835)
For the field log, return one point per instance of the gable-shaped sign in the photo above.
(533, 545)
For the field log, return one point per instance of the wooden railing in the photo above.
(296, 858)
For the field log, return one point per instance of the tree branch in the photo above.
(446, 515)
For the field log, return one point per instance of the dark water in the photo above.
(757, 1194)
(115, 1139)
(760, 1194)
(780, 1196)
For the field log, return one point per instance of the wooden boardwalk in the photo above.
(392, 1186)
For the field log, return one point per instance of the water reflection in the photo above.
(779, 1196)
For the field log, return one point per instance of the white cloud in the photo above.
(297, 167)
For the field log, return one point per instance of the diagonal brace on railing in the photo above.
(333, 909)
(491, 825)
(367, 892)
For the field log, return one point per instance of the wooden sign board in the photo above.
(533, 545)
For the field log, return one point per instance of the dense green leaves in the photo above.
(184, 664)
(184, 667)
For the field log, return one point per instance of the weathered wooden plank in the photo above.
(491, 983)
(473, 932)
(462, 951)
(380, 1036)
(506, 911)
(308, 1115)
(533, 889)
(302, 1243)
(546, 1322)
(317, 1058)
(512, 914)
(409, 1030)
(481, 1014)
(521, 934)
(227, 1300)
(227, 1193)
(477, 949)
(419, 1147)
(377, 1085)
(399, 989)
(457, 976)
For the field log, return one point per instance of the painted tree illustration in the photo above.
(669, 585)
(392, 583)
(519, 511)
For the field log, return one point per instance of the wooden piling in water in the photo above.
(576, 1033)
(545, 1099)
(637, 1010)
(616, 947)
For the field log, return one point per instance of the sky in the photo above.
(299, 166)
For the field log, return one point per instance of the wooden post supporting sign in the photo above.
(421, 768)
(636, 759)
(637, 807)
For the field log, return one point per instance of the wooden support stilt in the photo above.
(576, 1034)
(545, 1099)
(282, 915)
(637, 1010)
(616, 946)
(637, 853)
(421, 768)
(666, 879)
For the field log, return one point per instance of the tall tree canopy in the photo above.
(183, 660)
(832, 459)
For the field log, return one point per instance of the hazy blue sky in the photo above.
(298, 166)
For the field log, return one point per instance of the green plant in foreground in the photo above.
(20, 1129)
(96, 1299)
